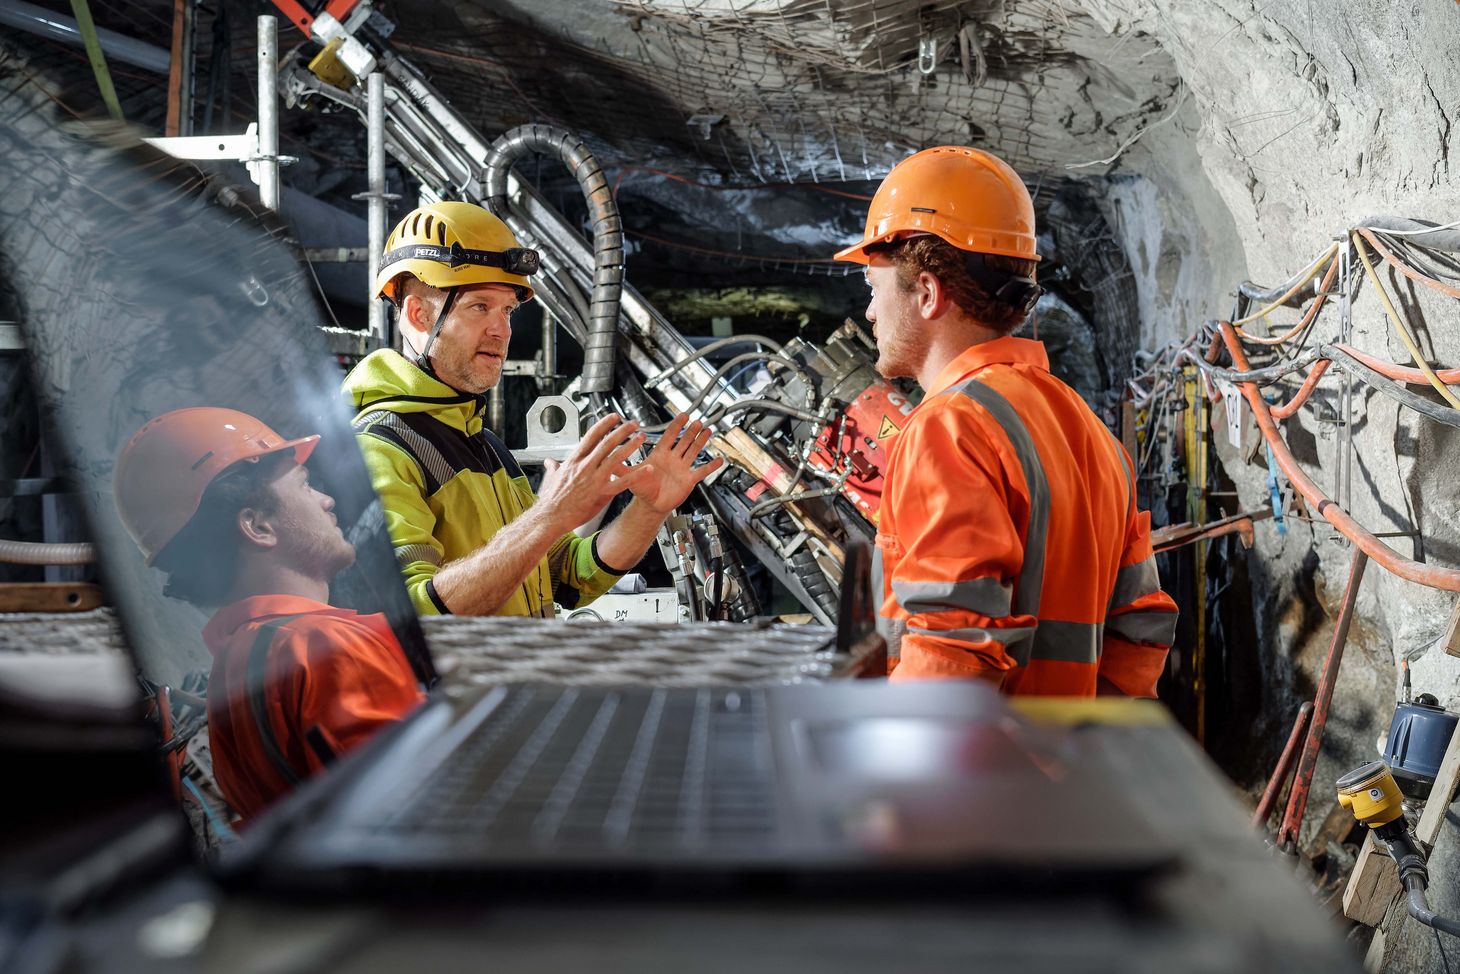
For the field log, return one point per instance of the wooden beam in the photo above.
(1372, 886)
(1452, 632)
(49, 597)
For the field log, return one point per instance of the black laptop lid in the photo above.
(143, 287)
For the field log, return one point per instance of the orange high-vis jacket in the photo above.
(1012, 549)
(303, 666)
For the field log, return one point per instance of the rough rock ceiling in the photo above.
(763, 91)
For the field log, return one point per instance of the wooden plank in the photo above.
(1372, 886)
(49, 596)
(1452, 632)
(1374, 883)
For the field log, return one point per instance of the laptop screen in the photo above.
(173, 342)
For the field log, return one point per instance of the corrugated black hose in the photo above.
(599, 348)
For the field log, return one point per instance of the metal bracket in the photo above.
(927, 55)
(234, 148)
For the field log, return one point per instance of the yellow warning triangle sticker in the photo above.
(887, 428)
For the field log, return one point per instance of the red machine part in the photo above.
(873, 417)
(304, 20)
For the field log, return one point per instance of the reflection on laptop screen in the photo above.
(174, 345)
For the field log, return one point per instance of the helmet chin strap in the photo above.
(423, 358)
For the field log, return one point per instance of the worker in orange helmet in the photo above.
(1010, 542)
(223, 505)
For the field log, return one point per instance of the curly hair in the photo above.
(201, 561)
(947, 263)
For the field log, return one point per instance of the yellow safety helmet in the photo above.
(450, 244)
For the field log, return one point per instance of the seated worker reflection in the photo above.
(223, 505)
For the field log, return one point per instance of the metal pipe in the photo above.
(549, 345)
(497, 408)
(268, 65)
(1322, 700)
(1284, 767)
(375, 199)
(118, 47)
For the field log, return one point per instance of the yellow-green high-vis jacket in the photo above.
(448, 485)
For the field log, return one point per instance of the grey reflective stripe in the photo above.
(1150, 626)
(1068, 642)
(987, 596)
(1134, 581)
(1030, 585)
(408, 553)
(891, 630)
(1018, 643)
(1130, 482)
(420, 449)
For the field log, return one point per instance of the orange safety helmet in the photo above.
(973, 200)
(168, 464)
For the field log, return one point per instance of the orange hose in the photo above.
(1304, 391)
(1401, 373)
(1447, 579)
(1405, 269)
(1308, 317)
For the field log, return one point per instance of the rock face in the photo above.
(1305, 126)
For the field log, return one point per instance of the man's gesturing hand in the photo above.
(594, 472)
(671, 464)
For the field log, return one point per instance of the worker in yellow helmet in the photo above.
(469, 533)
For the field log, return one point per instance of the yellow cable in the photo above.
(1401, 327)
(1307, 276)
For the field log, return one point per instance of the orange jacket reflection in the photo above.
(1012, 548)
(327, 668)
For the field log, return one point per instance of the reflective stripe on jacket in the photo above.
(332, 669)
(448, 486)
(1011, 544)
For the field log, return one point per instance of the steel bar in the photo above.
(375, 199)
(118, 47)
(1284, 769)
(268, 66)
(1322, 701)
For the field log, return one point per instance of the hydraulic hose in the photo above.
(1439, 412)
(1402, 328)
(1419, 907)
(34, 553)
(608, 237)
(1447, 579)
(1308, 317)
(1404, 268)
(1398, 373)
(1293, 287)
(1415, 874)
(1435, 238)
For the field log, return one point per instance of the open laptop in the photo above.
(855, 779)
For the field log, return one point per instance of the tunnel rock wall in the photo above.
(1309, 118)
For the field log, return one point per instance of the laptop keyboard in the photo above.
(629, 769)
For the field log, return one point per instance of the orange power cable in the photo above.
(1447, 579)
(1304, 391)
(1405, 269)
(1401, 373)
